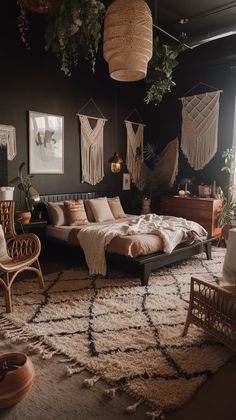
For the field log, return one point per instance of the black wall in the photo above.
(32, 80)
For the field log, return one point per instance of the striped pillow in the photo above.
(75, 213)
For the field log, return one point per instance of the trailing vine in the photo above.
(160, 72)
(73, 29)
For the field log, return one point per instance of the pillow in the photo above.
(116, 207)
(75, 213)
(56, 213)
(4, 257)
(89, 211)
(101, 209)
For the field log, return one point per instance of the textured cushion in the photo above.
(116, 207)
(101, 209)
(56, 213)
(75, 213)
(4, 257)
(89, 211)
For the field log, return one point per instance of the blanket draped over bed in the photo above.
(172, 230)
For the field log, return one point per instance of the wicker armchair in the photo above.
(23, 251)
(213, 308)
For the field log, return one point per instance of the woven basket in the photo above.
(128, 39)
(37, 6)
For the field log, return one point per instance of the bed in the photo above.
(142, 253)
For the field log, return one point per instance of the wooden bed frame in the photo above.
(146, 263)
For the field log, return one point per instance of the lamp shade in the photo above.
(128, 39)
(115, 162)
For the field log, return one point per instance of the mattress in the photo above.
(130, 246)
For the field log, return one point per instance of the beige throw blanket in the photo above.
(173, 230)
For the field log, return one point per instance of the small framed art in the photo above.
(126, 182)
(46, 143)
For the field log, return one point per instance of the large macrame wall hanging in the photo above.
(134, 155)
(200, 114)
(92, 150)
(163, 176)
(8, 138)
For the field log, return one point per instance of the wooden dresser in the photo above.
(204, 211)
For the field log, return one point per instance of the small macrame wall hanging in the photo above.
(199, 139)
(92, 159)
(134, 155)
(8, 138)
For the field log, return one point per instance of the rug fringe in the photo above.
(91, 381)
(131, 409)
(157, 414)
(70, 370)
(111, 393)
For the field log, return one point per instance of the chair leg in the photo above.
(40, 274)
(188, 320)
(8, 302)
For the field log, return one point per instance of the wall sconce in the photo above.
(115, 162)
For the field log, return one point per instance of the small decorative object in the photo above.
(46, 143)
(126, 182)
(6, 193)
(181, 193)
(185, 185)
(200, 114)
(115, 162)
(16, 378)
(204, 191)
(128, 41)
(8, 138)
(160, 72)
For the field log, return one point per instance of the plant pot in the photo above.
(25, 216)
(15, 384)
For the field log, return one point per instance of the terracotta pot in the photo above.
(25, 216)
(15, 384)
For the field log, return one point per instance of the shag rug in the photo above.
(122, 332)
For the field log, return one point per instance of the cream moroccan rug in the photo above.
(122, 332)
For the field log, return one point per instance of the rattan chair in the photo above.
(213, 308)
(23, 251)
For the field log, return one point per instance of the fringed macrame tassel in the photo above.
(111, 393)
(157, 414)
(70, 370)
(132, 408)
(91, 382)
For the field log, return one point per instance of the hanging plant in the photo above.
(73, 29)
(160, 72)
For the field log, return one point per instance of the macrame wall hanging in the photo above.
(134, 155)
(165, 171)
(92, 159)
(200, 115)
(8, 138)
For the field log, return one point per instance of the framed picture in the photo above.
(126, 181)
(46, 143)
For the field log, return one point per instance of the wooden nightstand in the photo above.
(204, 211)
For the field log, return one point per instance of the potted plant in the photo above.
(160, 72)
(24, 184)
(227, 216)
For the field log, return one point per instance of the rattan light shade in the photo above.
(37, 6)
(128, 40)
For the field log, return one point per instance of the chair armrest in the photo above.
(203, 285)
(25, 245)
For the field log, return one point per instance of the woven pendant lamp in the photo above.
(37, 6)
(128, 40)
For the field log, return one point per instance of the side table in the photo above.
(34, 226)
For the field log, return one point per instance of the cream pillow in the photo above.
(56, 213)
(75, 213)
(101, 209)
(89, 211)
(116, 207)
(4, 257)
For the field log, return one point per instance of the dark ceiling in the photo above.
(201, 20)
